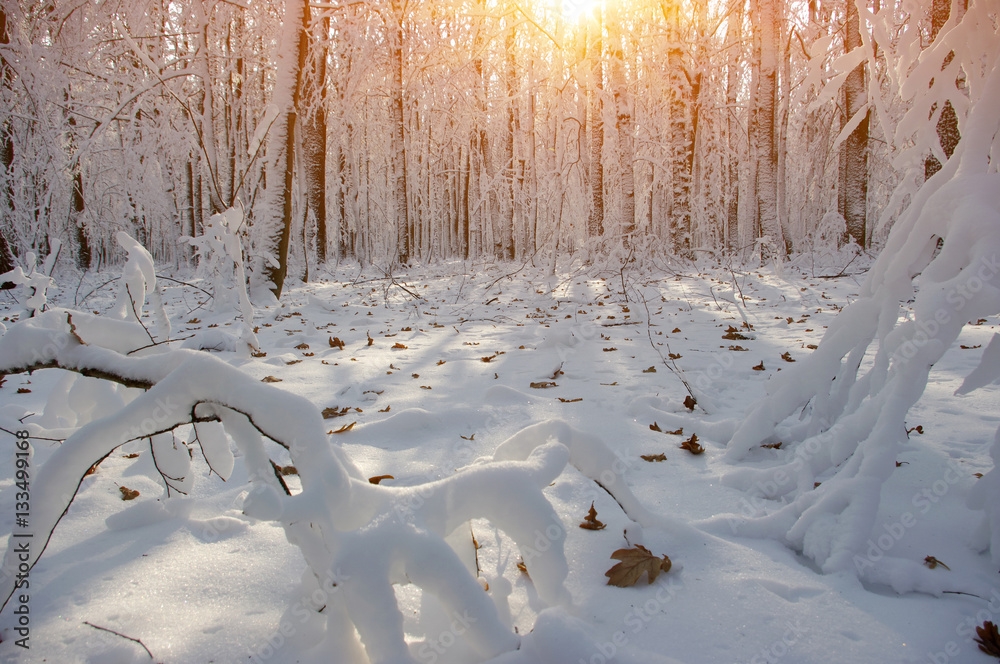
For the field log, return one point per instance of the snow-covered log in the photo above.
(364, 537)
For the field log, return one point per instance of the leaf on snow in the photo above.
(570, 400)
(336, 342)
(733, 334)
(302, 346)
(379, 478)
(692, 446)
(787, 357)
(333, 411)
(649, 370)
(345, 428)
(590, 521)
(655, 427)
(654, 457)
(933, 562)
(759, 367)
(634, 563)
(399, 346)
(270, 379)
(541, 385)
(690, 402)
(286, 470)
(988, 639)
(127, 493)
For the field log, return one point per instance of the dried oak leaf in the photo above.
(759, 367)
(692, 446)
(690, 402)
(933, 562)
(379, 478)
(333, 411)
(336, 342)
(787, 357)
(270, 379)
(649, 370)
(674, 356)
(733, 334)
(127, 493)
(287, 470)
(541, 385)
(634, 563)
(653, 457)
(988, 639)
(399, 346)
(302, 346)
(655, 427)
(23, 390)
(590, 521)
(570, 400)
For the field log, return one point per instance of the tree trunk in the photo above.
(282, 146)
(595, 125)
(6, 161)
(733, 26)
(854, 176)
(623, 112)
(312, 61)
(767, 149)
(398, 137)
(510, 78)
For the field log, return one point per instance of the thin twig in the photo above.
(136, 314)
(111, 631)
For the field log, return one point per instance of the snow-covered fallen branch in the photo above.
(361, 537)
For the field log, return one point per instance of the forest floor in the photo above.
(433, 369)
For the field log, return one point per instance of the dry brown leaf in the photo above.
(676, 330)
(655, 427)
(130, 456)
(542, 384)
(610, 350)
(787, 357)
(286, 470)
(988, 639)
(379, 478)
(759, 367)
(127, 493)
(270, 379)
(653, 457)
(692, 446)
(302, 346)
(933, 562)
(675, 432)
(690, 402)
(384, 410)
(733, 334)
(23, 390)
(333, 411)
(345, 428)
(472, 437)
(570, 400)
(649, 370)
(590, 521)
(674, 356)
(336, 342)
(399, 346)
(634, 563)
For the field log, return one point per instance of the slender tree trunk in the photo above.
(623, 112)
(595, 125)
(855, 149)
(947, 124)
(733, 29)
(398, 138)
(767, 149)
(6, 162)
(312, 62)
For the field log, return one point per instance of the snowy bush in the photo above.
(357, 537)
(137, 281)
(220, 258)
(35, 280)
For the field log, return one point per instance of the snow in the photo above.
(225, 573)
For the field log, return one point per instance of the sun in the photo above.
(575, 9)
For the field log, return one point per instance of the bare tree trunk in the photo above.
(595, 122)
(6, 161)
(767, 149)
(398, 138)
(287, 90)
(623, 111)
(854, 175)
(312, 62)
(733, 28)
(505, 239)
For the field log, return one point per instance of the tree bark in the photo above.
(398, 137)
(766, 147)
(854, 176)
(312, 54)
(595, 126)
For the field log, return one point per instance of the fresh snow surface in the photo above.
(447, 379)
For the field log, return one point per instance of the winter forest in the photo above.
(468, 331)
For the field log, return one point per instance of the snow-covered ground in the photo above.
(438, 367)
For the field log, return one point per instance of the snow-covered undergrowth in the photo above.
(499, 425)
